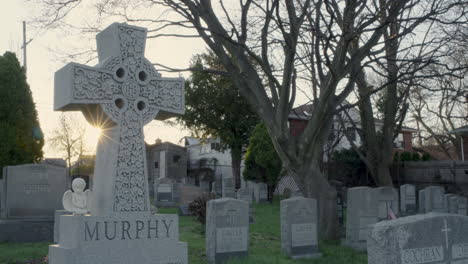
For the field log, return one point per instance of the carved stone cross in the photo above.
(121, 94)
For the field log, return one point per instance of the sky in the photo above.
(43, 60)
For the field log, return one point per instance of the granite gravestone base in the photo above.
(118, 239)
(299, 228)
(227, 229)
(432, 238)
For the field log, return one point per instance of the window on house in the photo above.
(216, 146)
(351, 134)
(156, 165)
(176, 158)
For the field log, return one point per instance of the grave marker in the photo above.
(29, 196)
(429, 238)
(228, 188)
(299, 227)
(408, 204)
(434, 199)
(462, 205)
(227, 229)
(121, 94)
(421, 201)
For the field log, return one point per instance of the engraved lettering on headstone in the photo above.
(304, 234)
(36, 188)
(231, 239)
(89, 235)
(422, 255)
(459, 251)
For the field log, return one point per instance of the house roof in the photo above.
(192, 141)
(304, 112)
(461, 130)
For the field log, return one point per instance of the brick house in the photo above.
(299, 117)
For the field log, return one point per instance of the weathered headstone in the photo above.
(451, 203)
(121, 94)
(227, 229)
(164, 195)
(425, 238)
(367, 206)
(361, 214)
(205, 186)
(229, 188)
(408, 204)
(218, 185)
(421, 201)
(434, 199)
(245, 194)
(261, 192)
(387, 199)
(189, 194)
(299, 227)
(462, 205)
(29, 197)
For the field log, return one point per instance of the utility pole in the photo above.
(25, 44)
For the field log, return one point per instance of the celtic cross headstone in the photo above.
(121, 94)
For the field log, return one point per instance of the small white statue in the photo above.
(77, 201)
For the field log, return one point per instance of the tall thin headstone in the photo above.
(227, 229)
(421, 201)
(121, 94)
(361, 214)
(299, 227)
(228, 188)
(462, 205)
(408, 204)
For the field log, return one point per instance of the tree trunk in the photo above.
(236, 158)
(313, 184)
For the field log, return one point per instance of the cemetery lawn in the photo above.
(264, 248)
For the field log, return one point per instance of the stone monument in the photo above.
(78, 201)
(29, 196)
(227, 229)
(424, 238)
(229, 190)
(408, 204)
(299, 227)
(434, 200)
(121, 94)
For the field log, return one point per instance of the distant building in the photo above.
(300, 116)
(166, 161)
(463, 133)
(209, 153)
(55, 161)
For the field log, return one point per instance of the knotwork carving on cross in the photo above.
(121, 94)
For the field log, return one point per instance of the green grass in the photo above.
(22, 252)
(265, 243)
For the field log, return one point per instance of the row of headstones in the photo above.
(227, 228)
(367, 206)
(430, 199)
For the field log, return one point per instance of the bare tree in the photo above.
(68, 138)
(319, 44)
(398, 67)
(440, 104)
